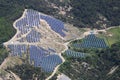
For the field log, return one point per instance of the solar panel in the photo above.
(17, 50)
(75, 54)
(33, 36)
(91, 41)
(26, 26)
(56, 25)
(42, 58)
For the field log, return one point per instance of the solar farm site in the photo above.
(41, 36)
(44, 38)
(59, 40)
(32, 36)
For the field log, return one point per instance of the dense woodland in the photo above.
(89, 11)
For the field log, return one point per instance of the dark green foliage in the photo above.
(98, 65)
(85, 12)
(54, 77)
(88, 12)
(28, 72)
(10, 10)
(113, 54)
(3, 54)
(6, 30)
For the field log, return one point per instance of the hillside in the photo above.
(64, 39)
(95, 64)
(82, 13)
(38, 42)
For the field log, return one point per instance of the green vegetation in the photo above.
(96, 67)
(85, 13)
(112, 36)
(90, 13)
(6, 30)
(9, 12)
(28, 72)
(3, 54)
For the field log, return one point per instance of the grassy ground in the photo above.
(112, 36)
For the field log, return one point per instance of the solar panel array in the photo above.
(17, 50)
(56, 25)
(32, 19)
(46, 59)
(22, 26)
(91, 41)
(33, 36)
(75, 54)
(41, 57)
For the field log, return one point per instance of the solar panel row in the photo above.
(38, 55)
(56, 25)
(17, 50)
(33, 36)
(32, 19)
(74, 54)
(91, 41)
(42, 58)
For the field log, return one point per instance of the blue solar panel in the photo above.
(17, 50)
(33, 36)
(74, 54)
(56, 25)
(91, 41)
(32, 19)
(38, 55)
(42, 58)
